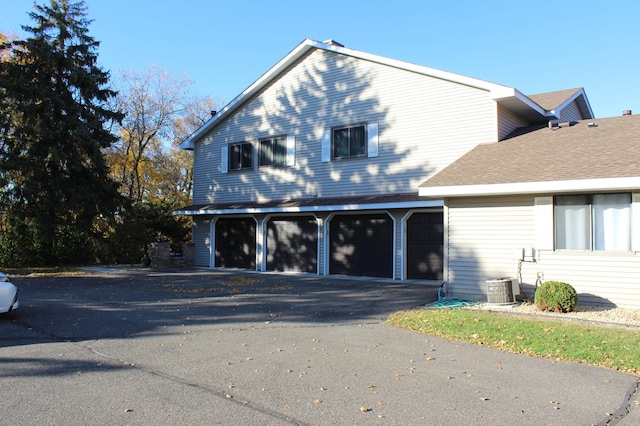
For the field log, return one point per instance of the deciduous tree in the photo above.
(153, 173)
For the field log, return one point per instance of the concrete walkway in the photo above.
(135, 346)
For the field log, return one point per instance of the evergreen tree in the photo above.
(55, 190)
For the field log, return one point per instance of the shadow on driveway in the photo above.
(119, 303)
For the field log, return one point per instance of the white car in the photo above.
(8, 295)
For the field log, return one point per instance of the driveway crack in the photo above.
(625, 408)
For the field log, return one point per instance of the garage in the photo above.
(425, 240)
(235, 245)
(361, 245)
(292, 244)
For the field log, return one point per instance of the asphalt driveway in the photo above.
(140, 346)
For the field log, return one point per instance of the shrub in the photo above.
(556, 296)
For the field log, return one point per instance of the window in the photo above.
(593, 222)
(240, 156)
(349, 141)
(273, 152)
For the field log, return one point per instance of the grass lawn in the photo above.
(52, 271)
(610, 347)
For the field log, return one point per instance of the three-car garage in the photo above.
(388, 244)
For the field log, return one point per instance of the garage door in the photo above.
(292, 244)
(424, 246)
(361, 245)
(236, 243)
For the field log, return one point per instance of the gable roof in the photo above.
(555, 101)
(590, 155)
(508, 97)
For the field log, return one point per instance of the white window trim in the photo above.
(372, 142)
(224, 159)
(635, 221)
(545, 223)
(543, 214)
(291, 151)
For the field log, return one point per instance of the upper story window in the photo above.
(593, 222)
(349, 141)
(273, 152)
(240, 156)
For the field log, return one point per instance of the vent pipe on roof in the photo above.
(626, 112)
(213, 112)
(554, 125)
(333, 43)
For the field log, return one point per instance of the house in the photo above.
(341, 162)
(562, 201)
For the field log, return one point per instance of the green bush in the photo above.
(556, 296)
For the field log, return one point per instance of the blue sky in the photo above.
(225, 45)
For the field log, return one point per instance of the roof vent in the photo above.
(626, 112)
(333, 43)
(213, 112)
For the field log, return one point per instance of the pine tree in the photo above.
(54, 182)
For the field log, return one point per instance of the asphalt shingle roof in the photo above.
(609, 148)
(310, 202)
(552, 100)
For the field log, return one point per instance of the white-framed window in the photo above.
(273, 152)
(349, 141)
(593, 222)
(240, 156)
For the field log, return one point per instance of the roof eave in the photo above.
(583, 104)
(311, 209)
(519, 188)
(522, 105)
(285, 62)
(496, 90)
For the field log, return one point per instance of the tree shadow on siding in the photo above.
(319, 92)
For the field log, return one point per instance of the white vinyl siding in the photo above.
(508, 122)
(201, 242)
(482, 236)
(598, 277)
(570, 113)
(423, 125)
(483, 233)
